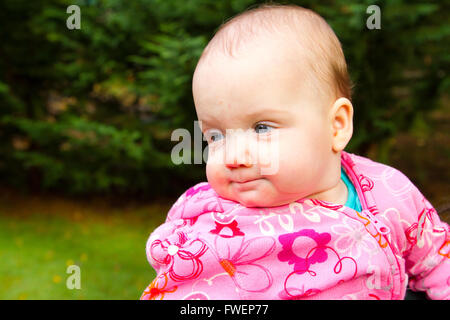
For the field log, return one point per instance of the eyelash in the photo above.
(209, 139)
(263, 124)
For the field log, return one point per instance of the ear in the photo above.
(341, 115)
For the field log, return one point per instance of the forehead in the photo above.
(266, 77)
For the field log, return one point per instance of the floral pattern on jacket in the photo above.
(214, 248)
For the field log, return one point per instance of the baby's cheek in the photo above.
(212, 172)
(292, 174)
(216, 177)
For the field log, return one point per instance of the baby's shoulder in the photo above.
(366, 168)
(390, 188)
(195, 201)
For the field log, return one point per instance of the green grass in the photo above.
(37, 246)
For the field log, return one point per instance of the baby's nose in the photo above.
(236, 164)
(238, 153)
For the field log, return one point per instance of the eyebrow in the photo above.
(268, 113)
(265, 112)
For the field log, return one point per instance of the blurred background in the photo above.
(86, 117)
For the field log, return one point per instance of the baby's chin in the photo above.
(260, 196)
(260, 203)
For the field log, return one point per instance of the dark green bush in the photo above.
(91, 110)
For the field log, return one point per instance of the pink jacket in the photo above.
(213, 248)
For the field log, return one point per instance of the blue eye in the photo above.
(214, 136)
(262, 128)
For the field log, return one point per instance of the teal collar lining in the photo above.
(352, 200)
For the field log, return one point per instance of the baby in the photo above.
(324, 224)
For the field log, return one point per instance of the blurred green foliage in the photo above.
(91, 111)
(37, 248)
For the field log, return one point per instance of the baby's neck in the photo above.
(338, 194)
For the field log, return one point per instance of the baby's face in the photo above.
(267, 128)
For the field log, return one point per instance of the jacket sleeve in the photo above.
(166, 245)
(427, 254)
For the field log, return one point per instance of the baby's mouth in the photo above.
(245, 184)
(244, 181)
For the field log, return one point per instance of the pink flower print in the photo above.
(392, 214)
(444, 250)
(233, 227)
(353, 238)
(202, 187)
(157, 289)
(297, 247)
(181, 258)
(326, 204)
(213, 205)
(226, 225)
(336, 269)
(365, 182)
(237, 257)
(196, 296)
(297, 293)
(422, 232)
(191, 192)
(193, 199)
